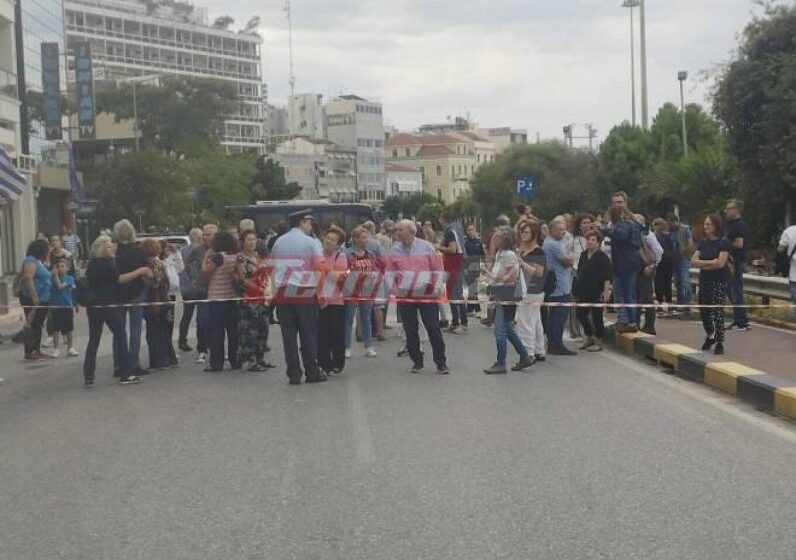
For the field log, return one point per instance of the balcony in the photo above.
(8, 84)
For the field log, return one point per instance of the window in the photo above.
(439, 171)
(422, 172)
(453, 170)
(395, 153)
(439, 193)
(407, 152)
(378, 143)
(479, 158)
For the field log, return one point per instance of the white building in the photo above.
(138, 37)
(358, 124)
(306, 117)
(403, 180)
(323, 170)
(17, 219)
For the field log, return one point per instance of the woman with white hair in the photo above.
(506, 274)
(131, 257)
(103, 283)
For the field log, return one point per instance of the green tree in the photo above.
(148, 186)
(430, 212)
(183, 116)
(269, 182)
(223, 22)
(755, 102)
(219, 181)
(406, 206)
(624, 158)
(565, 180)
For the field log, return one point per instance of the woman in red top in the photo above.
(362, 264)
(253, 277)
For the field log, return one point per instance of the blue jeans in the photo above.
(682, 280)
(736, 296)
(556, 320)
(505, 331)
(625, 292)
(365, 315)
(136, 315)
(458, 310)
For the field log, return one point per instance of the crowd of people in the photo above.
(328, 289)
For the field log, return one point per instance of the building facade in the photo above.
(323, 170)
(447, 162)
(357, 124)
(18, 218)
(131, 38)
(306, 116)
(403, 180)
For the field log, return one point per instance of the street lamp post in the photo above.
(134, 81)
(682, 76)
(632, 4)
(645, 122)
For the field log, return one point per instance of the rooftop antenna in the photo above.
(289, 14)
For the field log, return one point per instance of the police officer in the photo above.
(298, 277)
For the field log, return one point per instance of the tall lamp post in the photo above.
(135, 81)
(645, 121)
(682, 76)
(632, 4)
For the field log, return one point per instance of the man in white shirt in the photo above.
(651, 255)
(787, 244)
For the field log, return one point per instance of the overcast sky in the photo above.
(535, 64)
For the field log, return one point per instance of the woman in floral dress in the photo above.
(253, 277)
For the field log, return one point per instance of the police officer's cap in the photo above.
(297, 217)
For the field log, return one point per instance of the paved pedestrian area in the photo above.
(770, 349)
(596, 456)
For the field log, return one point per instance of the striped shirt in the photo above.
(222, 281)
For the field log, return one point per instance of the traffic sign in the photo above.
(526, 187)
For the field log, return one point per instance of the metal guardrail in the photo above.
(765, 287)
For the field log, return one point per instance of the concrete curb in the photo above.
(751, 385)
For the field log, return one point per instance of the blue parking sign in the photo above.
(526, 187)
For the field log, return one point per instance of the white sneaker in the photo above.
(347, 352)
(56, 353)
(72, 352)
(371, 353)
(47, 343)
(201, 358)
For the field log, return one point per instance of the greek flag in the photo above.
(12, 181)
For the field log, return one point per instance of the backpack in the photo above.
(782, 262)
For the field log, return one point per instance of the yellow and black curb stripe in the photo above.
(751, 385)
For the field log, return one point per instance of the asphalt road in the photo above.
(596, 456)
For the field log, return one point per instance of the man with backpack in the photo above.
(787, 247)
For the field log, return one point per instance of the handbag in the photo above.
(511, 292)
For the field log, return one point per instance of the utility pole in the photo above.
(289, 13)
(645, 123)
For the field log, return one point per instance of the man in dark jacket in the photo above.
(130, 257)
(625, 234)
(476, 256)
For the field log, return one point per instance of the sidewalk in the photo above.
(765, 348)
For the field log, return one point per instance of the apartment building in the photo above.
(357, 124)
(324, 170)
(136, 37)
(306, 116)
(447, 162)
(17, 218)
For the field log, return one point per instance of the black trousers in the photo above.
(644, 295)
(185, 323)
(591, 319)
(33, 334)
(663, 281)
(97, 318)
(223, 320)
(159, 330)
(299, 322)
(331, 337)
(429, 314)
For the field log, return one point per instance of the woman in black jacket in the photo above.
(594, 287)
(102, 290)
